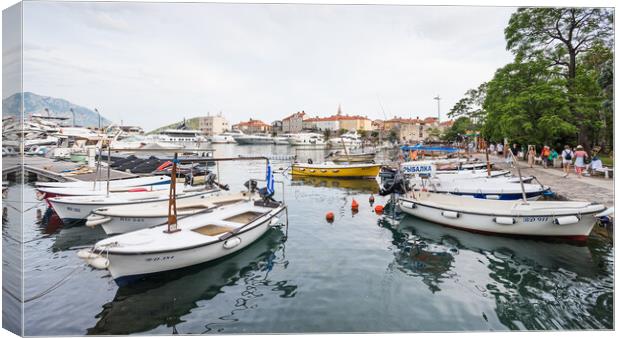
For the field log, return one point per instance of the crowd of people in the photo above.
(577, 157)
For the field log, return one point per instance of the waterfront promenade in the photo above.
(597, 188)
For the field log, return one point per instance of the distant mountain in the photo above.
(36, 104)
(189, 124)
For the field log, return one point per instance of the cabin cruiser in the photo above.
(255, 139)
(348, 139)
(227, 137)
(282, 139)
(307, 139)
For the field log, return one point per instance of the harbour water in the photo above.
(361, 273)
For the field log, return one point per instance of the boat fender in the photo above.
(450, 214)
(274, 221)
(94, 220)
(408, 205)
(86, 254)
(99, 262)
(566, 220)
(378, 209)
(329, 216)
(231, 243)
(505, 220)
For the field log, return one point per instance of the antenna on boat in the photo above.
(172, 201)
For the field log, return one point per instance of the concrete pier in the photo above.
(61, 171)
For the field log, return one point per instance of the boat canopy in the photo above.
(429, 148)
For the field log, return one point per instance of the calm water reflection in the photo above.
(361, 273)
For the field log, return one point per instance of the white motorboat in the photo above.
(227, 137)
(198, 239)
(282, 139)
(493, 188)
(312, 140)
(100, 190)
(130, 217)
(567, 219)
(255, 139)
(75, 208)
(448, 165)
(496, 176)
(180, 136)
(129, 182)
(348, 139)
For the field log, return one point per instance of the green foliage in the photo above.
(460, 127)
(327, 134)
(527, 104)
(564, 40)
(470, 105)
(393, 136)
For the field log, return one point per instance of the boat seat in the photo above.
(213, 230)
(245, 217)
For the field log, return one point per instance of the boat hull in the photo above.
(125, 268)
(336, 171)
(524, 225)
(71, 212)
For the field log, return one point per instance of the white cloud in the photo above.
(153, 63)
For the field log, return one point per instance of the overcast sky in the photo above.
(150, 64)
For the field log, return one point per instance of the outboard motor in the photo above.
(398, 185)
(251, 185)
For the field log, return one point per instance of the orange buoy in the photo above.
(329, 216)
(354, 205)
(371, 199)
(379, 209)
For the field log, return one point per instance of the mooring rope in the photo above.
(54, 286)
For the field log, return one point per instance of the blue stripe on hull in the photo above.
(502, 197)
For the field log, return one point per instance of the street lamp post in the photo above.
(73, 112)
(438, 109)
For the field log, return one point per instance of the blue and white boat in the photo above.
(500, 188)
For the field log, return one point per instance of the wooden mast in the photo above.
(172, 201)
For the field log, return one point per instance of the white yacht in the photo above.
(307, 140)
(180, 136)
(282, 139)
(255, 139)
(348, 139)
(227, 137)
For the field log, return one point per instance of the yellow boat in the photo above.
(366, 170)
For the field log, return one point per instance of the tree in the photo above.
(558, 36)
(327, 134)
(470, 105)
(527, 103)
(459, 128)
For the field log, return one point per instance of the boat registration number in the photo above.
(131, 219)
(73, 209)
(160, 258)
(535, 219)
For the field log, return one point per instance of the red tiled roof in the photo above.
(256, 123)
(448, 123)
(297, 114)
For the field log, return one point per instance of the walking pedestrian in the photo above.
(500, 149)
(544, 155)
(552, 156)
(567, 159)
(492, 149)
(580, 160)
(531, 156)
